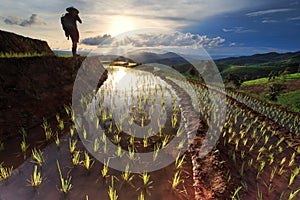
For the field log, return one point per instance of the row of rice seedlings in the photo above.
(126, 176)
(280, 116)
(265, 152)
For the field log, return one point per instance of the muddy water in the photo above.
(90, 182)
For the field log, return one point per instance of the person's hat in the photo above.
(72, 9)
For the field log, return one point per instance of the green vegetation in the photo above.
(20, 55)
(295, 76)
(251, 72)
(290, 101)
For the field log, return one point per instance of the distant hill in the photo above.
(259, 65)
(261, 59)
(169, 58)
(12, 43)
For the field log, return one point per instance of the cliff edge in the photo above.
(13, 43)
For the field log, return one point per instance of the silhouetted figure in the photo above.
(70, 27)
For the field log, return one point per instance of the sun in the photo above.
(120, 24)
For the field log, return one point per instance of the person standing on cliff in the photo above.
(70, 27)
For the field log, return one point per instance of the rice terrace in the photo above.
(148, 125)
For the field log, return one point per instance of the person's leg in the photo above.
(75, 38)
(74, 47)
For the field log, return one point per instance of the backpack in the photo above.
(64, 21)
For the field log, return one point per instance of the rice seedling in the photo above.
(279, 141)
(66, 185)
(176, 180)
(280, 149)
(36, 178)
(145, 142)
(235, 194)
(117, 139)
(96, 145)
(23, 132)
(141, 196)
(282, 195)
(165, 141)
(119, 152)
(57, 141)
(24, 147)
(76, 158)
(283, 161)
(47, 129)
(131, 140)
(112, 193)
(127, 177)
(174, 120)
(292, 160)
(261, 168)
(84, 133)
(72, 129)
(5, 172)
(104, 117)
(131, 152)
(37, 157)
(72, 145)
(156, 150)
(242, 169)
(87, 162)
(60, 122)
(179, 161)
(181, 144)
(293, 194)
(147, 184)
(259, 194)
(273, 172)
(104, 171)
(281, 170)
(293, 175)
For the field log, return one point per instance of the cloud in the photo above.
(269, 21)
(270, 11)
(238, 29)
(167, 12)
(33, 20)
(232, 44)
(175, 39)
(294, 18)
(94, 41)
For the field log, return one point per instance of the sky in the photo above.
(222, 27)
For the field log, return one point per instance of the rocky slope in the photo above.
(34, 87)
(13, 43)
